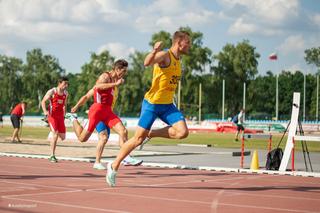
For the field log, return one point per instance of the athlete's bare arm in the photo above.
(82, 100)
(65, 105)
(44, 100)
(157, 56)
(105, 82)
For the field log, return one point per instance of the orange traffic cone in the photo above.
(255, 161)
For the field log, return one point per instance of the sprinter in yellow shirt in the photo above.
(158, 101)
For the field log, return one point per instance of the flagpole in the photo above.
(273, 56)
(244, 98)
(223, 97)
(317, 103)
(200, 93)
(304, 96)
(277, 96)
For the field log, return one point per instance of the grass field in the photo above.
(219, 140)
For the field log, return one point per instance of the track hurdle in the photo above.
(257, 136)
(301, 138)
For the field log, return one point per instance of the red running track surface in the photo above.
(36, 185)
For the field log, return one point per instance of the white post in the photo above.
(304, 97)
(317, 103)
(292, 131)
(200, 88)
(223, 96)
(244, 98)
(277, 97)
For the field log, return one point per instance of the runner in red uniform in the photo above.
(101, 109)
(16, 117)
(57, 98)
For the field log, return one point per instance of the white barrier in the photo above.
(261, 136)
(113, 138)
(306, 138)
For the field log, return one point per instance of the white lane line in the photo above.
(72, 206)
(271, 196)
(267, 208)
(33, 184)
(39, 193)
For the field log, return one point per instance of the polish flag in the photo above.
(273, 56)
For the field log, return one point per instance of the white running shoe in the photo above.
(99, 166)
(130, 161)
(111, 175)
(146, 140)
(71, 116)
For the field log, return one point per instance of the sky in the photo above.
(71, 30)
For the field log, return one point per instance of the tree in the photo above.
(40, 73)
(261, 97)
(237, 65)
(10, 81)
(312, 56)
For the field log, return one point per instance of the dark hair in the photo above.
(121, 63)
(179, 35)
(61, 79)
(24, 102)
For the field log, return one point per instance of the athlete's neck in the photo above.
(114, 75)
(60, 90)
(175, 51)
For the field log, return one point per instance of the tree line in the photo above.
(235, 63)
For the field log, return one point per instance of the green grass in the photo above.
(219, 140)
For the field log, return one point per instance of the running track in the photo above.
(35, 185)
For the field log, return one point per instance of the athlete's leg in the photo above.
(122, 132)
(104, 133)
(130, 145)
(15, 134)
(53, 142)
(178, 130)
(83, 134)
(15, 120)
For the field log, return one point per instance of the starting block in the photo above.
(238, 154)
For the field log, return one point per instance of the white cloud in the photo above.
(117, 49)
(271, 11)
(261, 17)
(293, 45)
(316, 19)
(39, 20)
(159, 16)
(6, 49)
(295, 67)
(239, 27)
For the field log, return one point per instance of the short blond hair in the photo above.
(178, 35)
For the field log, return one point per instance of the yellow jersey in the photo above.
(115, 97)
(164, 82)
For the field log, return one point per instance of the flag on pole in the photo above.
(273, 56)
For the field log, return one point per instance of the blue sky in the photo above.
(72, 29)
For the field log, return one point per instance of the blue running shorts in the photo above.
(102, 127)
(168, 113)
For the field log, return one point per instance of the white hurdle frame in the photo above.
(251, 136)
(301, 138)
(292, 132)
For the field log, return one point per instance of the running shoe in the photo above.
(130, 161)
(53, 159)
(99, 166)
(71, 116)
(111, 175)
(146, 140)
